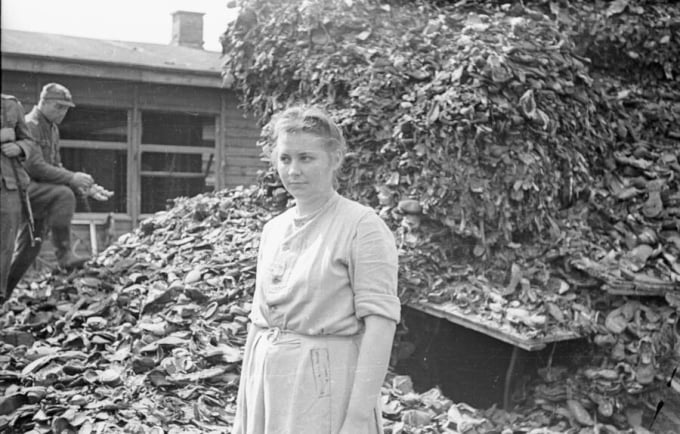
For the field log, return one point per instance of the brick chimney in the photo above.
(187, 29)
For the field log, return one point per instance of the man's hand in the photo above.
(82, 181)
(11, 149)
(7, 135)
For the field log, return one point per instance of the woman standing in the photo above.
(325, 305)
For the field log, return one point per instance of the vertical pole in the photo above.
(134, 159)
(508, 378)
(93, 237)
(221, 143)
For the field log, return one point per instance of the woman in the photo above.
(325, 305)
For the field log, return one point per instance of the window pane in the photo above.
(209, 164)
(87, 123)
(167, 175)
(179, 129)
(166, 162)
(108, 168)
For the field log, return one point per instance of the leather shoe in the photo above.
(71, 261)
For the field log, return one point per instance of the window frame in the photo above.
(134, 148)
(177, 149)
(100, 217)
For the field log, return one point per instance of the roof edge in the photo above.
(87, 38)
(113, 64)
(110, 70)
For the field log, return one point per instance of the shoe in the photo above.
(618, 351)
(645, 374)
(645, 371)
(70, 261)
(61, 238)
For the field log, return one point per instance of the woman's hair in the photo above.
(307, 119)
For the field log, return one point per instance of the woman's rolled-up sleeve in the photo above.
(373, 269)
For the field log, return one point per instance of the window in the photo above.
(94, 141)
(178, 157)
(177, 154)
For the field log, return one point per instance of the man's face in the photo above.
(55, 111)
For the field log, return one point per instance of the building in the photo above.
(151, 122)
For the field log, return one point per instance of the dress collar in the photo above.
(302, 220)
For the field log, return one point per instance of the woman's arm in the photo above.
(374, 356)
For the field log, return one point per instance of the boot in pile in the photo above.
(61, 237)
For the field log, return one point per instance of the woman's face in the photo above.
(305, 166)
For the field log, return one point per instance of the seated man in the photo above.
(52, 187)
(13, 181)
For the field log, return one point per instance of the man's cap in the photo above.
(57, 92)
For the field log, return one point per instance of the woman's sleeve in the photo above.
(373, 269)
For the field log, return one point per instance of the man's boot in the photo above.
(61, 238)
(24, 254)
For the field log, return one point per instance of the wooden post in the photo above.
(221, 143)
(134, 164)
(507, 384)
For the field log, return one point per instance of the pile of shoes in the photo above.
(482, 116)
(148, 336)
(524, 185)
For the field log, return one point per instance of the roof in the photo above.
(17, 44)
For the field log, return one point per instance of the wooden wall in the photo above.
(241, 161)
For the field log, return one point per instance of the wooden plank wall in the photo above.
(179, 98)
(85, 91)
(23, 86)
(242, 156)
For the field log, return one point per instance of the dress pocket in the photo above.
(312, 396)
(321, 371)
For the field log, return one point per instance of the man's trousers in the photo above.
(53, 208)
(10, 220)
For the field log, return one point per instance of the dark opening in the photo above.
(470, 366)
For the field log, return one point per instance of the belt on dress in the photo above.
(275, 334)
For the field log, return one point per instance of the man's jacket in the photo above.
(43, 163)
(13, 117)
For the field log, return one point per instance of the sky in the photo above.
(123, 20)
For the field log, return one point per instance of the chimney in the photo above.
(187, 29)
